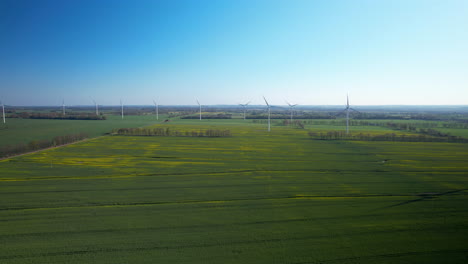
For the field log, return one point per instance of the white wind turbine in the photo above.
(199, 105)
(156, 109)
(268, 106)
(63, 106)
(121, 109)
(347, 113)
(291, 109)
(244, 105)
(96, 105)
(3, 111)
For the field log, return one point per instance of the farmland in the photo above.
(25, 130)
(253, 197)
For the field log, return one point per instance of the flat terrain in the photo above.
(255, 197)
(17, 131)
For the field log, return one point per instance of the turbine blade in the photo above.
(341, 112)
(266, 101)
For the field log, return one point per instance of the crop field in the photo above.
(253, 197)
(17, 130)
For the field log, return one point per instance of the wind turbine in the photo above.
(199, 105)
(347, 113)
(244, 105)
(268, 106)
(121, 108)
(156, 106)
(63, 106)
(291, 109)
(3, 110)
(97, 108)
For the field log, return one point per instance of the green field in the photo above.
(255, 197)
(17, 130)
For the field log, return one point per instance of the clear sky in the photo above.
(308, 52)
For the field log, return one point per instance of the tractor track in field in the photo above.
(158, 246)
(320, 171)
(273, 183)
(214, 226)
(389, 255)
(222, 201)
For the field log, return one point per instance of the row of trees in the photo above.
(285, 115)
(356, 116)
(392, 125)
(293, 123)
(462, 125)
(340, 135)
(208, 116)
(54, 115)
(167, 132)
(11, 150)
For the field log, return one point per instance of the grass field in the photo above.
(17, 130)
(255, 197)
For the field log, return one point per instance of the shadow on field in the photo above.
(423, 197)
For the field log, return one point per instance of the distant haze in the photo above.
(387, 52)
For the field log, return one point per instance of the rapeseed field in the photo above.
(253, 197)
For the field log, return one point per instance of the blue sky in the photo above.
(313, 52)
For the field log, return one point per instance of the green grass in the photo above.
(255, 197)
(17, 131)
(459, 132)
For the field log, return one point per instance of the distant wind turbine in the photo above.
(291, 109)
(156, 106)
(199, 105)
(96, 105)
(63, 106)
(121, 108)
(244, 105)
(347, 108)
(3, 111)
(268, 106)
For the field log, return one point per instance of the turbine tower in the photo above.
(63, 106)
(244, 105)
(156, 106)
(268, 106)
(291, 109)
(199, 105)
(3, 111)
(97, 108)
(121, 108)
(347, 108)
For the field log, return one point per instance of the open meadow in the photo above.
(252, 197)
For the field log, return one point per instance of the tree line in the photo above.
(408, 126)
(77, 116)
(168, 132)
(216, 116)
(12, 150)
(293, 123)
(340, 135)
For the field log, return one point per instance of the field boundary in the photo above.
(48, 148)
